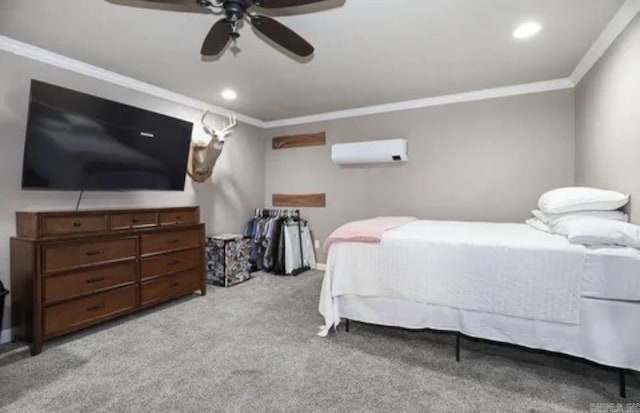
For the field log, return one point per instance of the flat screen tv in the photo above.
(77, 142)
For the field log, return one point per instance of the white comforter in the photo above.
(507, 269)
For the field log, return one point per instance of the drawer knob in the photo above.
(77, 224)
(173, 241)
(95, 252)
(173, 285)
(95, 307)
(178, 217)
(94, 280)
(135, 221)
(173, 263)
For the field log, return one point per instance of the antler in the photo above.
(232, 123)
(220, 134)
(207, 129)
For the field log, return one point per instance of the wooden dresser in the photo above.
(71, 270)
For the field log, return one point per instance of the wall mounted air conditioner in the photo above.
(373, 152)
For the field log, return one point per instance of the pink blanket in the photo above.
(368, 230)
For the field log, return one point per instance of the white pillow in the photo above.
(554, 219)
(595, 231)
(535, 223)
(573, 199)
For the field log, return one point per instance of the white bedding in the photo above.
(607, 334)
(612, 273)
(506, 269)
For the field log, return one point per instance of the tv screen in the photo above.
(77, 141)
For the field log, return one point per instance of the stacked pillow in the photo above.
(586, 216)
(576, 199)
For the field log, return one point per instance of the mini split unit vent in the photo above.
(374, 152)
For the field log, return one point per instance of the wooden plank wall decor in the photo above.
(299, 200)
(299, 141)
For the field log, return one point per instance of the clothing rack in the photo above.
(293, 213)
(270, 212)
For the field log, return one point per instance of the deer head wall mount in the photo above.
(205, 152)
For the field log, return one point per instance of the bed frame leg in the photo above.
(346, 325)
(623, 383)
(458, 347)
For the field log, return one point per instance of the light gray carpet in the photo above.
(252, 348)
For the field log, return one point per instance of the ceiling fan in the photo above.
(236, 12)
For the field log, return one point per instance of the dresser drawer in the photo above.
(67, 257)
(62, 287)
(88, 310)
(179, 217)
(172, 262)
(171, 286)
(128, 221)
(52, 225)
(168, 241)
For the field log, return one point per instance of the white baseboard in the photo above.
(321, 266)
(6, 336)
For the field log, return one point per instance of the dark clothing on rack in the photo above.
(272, 243)
(279, 265)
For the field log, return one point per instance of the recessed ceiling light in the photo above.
(229, 94)
(526, 30)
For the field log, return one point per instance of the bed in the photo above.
(502, 282)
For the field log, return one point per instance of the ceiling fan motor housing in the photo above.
(235, 9)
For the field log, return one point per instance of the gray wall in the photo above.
(608, 120)
(226, 202)
(487, 160)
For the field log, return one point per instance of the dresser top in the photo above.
(107, 211)
(55, 224)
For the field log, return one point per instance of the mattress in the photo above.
(612, 273)
(608, 288)
(507, 269)
(500, 268)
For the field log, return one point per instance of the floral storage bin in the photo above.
(228, 259)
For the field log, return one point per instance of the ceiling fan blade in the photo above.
(282, 35)
(279, 4)
(216, 39)
(189, 6)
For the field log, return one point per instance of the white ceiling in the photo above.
(368, 52)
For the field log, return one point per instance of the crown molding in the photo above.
(620, 21)
(45, 56)
(524, 89)
(616, 26)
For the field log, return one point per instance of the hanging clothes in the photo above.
(293, 253)
(308, 250)
(251, 232)
(279, 267)
(271, 241)
(281, 242)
